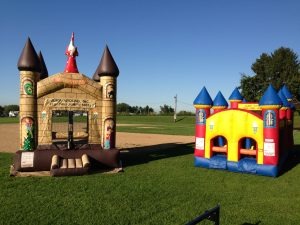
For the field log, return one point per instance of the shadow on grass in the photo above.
(179, 119)
(142, 155)
(292, 161)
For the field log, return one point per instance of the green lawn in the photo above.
(157, 187)
(160, 187)
(185, 125)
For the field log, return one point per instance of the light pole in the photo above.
(175, 108)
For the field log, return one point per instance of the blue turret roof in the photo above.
(220, 100)
(270, 97)
(203, 98)
(285, 102)
(236, 95)
(286, 92)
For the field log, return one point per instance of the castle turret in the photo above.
(270, 104)
(44, 71)
(29, 67)
(107, 73)
(289, 116)
(202, 103)
(219, 103)
(235, 98)
(285, 105)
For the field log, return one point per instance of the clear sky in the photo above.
(162, 47)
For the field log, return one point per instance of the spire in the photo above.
(285, 103)
(71, 52)
(270, 98)
(107, 66)
(29, 60)
(44, 71)
(287, 93)
(236, 95)
(219, 101)
(203, 98)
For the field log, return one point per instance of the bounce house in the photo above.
(65, 150)
(249, 137)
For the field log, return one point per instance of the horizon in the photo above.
(162, 49)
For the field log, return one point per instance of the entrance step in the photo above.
(69, 166)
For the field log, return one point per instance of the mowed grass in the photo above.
(185, 125)
(157, 187)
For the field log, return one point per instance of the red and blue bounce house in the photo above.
(247, 137)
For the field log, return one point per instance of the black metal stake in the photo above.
(70, 130)
(211, 214)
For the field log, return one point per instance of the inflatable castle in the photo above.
(247, 137)
(66, 152)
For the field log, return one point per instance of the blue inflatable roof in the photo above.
(203, 98)
(220, 100)
(285, 102)
(286, 92)
(236, 95)
(270, 97)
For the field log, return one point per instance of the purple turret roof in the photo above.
(107, 66)
(29, 60)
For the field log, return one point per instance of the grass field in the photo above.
(142, 124)
(158, 187)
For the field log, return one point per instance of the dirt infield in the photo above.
(9, 139)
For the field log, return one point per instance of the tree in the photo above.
(278, 68)
(148, 110)
(166, 109)
(1, 110)
(123, 108)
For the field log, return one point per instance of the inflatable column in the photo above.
(270, 104)
(29, 67)
(107, 72)
(284, 134)
(203, 105)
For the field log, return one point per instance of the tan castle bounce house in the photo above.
(63, 148)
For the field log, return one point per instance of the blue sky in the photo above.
(161, 47)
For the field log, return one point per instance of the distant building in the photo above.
(13, 113)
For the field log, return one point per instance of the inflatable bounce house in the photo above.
(248, 137)
(62, 148)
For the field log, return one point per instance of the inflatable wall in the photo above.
(246, 137)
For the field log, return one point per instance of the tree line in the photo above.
(4, 110)
(126, 109)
